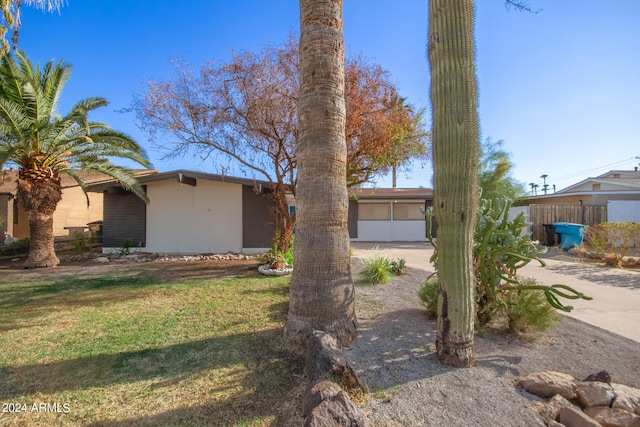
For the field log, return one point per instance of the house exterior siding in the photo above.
(194, 219)
(124, 218)
(353, 219)
(73, 211)
(258, 227)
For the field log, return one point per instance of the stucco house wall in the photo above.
(206, 218)
(189, 213)
(72, 210)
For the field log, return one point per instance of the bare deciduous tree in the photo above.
(246, 110)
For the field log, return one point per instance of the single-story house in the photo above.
(193, 212)
(72, 213)
(189, 212)
(611, 197)
(389, 214)
(597, 191)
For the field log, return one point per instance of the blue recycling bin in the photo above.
(570, 234)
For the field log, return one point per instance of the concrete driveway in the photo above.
(616, 293)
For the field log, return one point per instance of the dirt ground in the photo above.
(395, 355)
(169, 269)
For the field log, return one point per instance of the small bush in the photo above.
(398, 267)
(81, 243)
(612, 241)
(276, 258)
(524, 312)
(16, 248)
(376, 270)
(428, 294)
(528, 311)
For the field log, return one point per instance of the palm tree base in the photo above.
(49, 261)
(300, 331)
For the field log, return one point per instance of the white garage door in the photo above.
(391, 221)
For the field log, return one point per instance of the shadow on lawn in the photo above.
(25, 301)
(259, 370)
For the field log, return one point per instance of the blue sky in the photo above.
(560, 87)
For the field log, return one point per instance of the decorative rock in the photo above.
(572, 417)
(322, 355)
(595, 397)
(101, 260)
(627, 398)
(602, 376)
(613, 417)
(549, 383)
(316, 392)
(334, 407)
(549, 411)
(591, 393)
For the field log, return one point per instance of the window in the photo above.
(407, 211)
(374, 211)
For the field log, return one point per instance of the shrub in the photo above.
(398, 267)
(500, 250)
(376, 270)
(276, 258)
(273, 257)
(16, 248)
(81, 243)
(611, 241)
(428, 294)
(528, 311)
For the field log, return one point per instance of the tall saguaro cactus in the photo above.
(455, 142)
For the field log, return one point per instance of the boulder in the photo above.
(602, 376)
(322, 355)
(627, 398)
(572, 417)
(325, 404)
(593, 393)
(609, 417)
(549, 411)
(549, 383)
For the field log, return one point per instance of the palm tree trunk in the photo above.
(39, 192)
(41, 250)
(455, 158)
(322, 293)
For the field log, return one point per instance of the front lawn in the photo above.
(124, 347)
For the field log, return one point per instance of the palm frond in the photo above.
(125, 177)
(32, 132)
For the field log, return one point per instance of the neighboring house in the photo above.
(72, 212)
(388, 214)
(614, 185)
(190, 213)
(610, 197)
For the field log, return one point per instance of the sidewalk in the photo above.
(616, 293)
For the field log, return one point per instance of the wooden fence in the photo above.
(578, 214)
